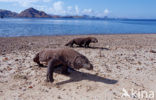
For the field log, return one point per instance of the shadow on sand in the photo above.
(76, 76)
(102, 48)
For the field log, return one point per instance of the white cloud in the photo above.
(57, 8)
(106, 11)
(24, 3)
(87, 12)
(77, 10)
(69, 8)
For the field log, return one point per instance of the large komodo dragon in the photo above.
(64, 57)
(82, 42)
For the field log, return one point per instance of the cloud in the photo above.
(87, 12)
(69, 8)
(58, 8)
(24, 3)
(106, 11)
(77, 10)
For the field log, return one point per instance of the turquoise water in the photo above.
(12, 27)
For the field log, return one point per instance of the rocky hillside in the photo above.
(7, 13)
(28, 13)
(33, 13)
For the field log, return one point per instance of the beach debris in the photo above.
(9, 68)
(63, 89)
(30, 87)
(152, 59)
(118, 67)
(108, 70)
(114, 93)
(59, 97)
(153, 51)
(78, 87)
(89, 88)
(17, 76)
(16, 59)
(138, 69)
(30, 43)
(1, 71)
(20, 87)
(5, 59)
(139, 63)
(44, 90)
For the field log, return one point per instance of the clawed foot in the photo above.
(41, 65)
(50, 80)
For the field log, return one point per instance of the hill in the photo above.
(7, 13)
(33, 13)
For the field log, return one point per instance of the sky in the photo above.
(99, 8)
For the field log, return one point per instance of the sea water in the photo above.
(13, 27)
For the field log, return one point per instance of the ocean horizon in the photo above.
(15, 27)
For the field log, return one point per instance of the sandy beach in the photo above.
(121, 62)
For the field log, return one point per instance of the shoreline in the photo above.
(91, 34)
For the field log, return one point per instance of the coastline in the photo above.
(125, 58)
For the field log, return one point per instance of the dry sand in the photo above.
(120, 61)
